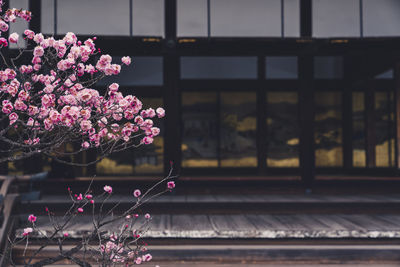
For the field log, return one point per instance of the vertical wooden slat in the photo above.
(35, 23)
(370, 125)
(261, 116)
(306, 112)
(305, 18)
(347, 115)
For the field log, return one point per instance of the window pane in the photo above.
(381, 17)
(145, 159)
(282, 129)
(192, 17)
(291, 18)
(385, 132)
(20, 25)
(200, 122)
(104, 17)
(389, 74)
(218, 67)
(47, 16)
(246, 18)
(328, 129)
(328, 67)
(238, 130)
(281, 67)
(143, 71)
(148, 17)
(339, 18)
(359, 153)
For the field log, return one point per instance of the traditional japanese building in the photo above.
(251, 88)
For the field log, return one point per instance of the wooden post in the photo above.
(172, 141)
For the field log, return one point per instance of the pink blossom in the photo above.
(80, 197)
(89, 196)
(85, 145)
(113, 87)
(30, 122)
(108, 189)
(126, 60)
(13, 38)
(7, 107)
(86, 125)
(32, 218)
(13, 118)
(32, 110)
(3, 26)
(147, 216)
(23, 95)
(80, 210)
(38, 38)
(137, 193)
(147, 140)
(27, 231)
(66, 234)
(29, 34)
(138, 260)
(38, 51)
(3, 42)
(147, 257)
(20, 105)
(171, 185)
(160, 112)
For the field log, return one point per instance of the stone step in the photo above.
(237, 204)
(260, 255)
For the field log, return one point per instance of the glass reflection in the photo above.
(385, 132)
(282, 129)
(199, 124)
(238, 130)
(328, 129)
(359, 152)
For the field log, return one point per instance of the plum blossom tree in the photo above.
(121, 246)
(46, 98)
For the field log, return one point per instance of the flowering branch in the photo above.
(46, 99)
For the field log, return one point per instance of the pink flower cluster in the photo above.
(41, 100)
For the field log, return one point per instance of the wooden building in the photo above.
(259, 88)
